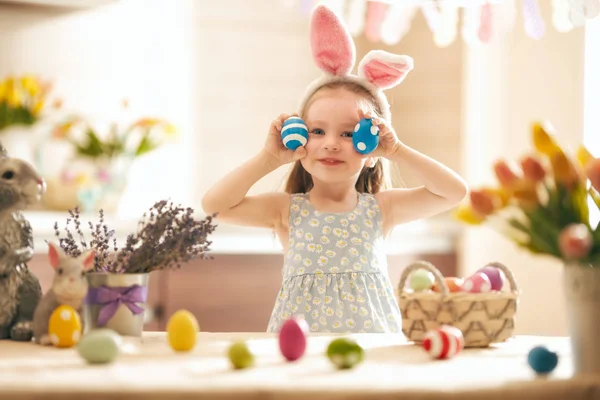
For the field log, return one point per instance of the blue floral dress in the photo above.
(335, 271)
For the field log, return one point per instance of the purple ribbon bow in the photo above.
(112, 297)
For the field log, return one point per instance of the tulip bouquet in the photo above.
(544, 202)
(21, 100)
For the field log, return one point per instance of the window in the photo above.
(591, 103)
(591, 129)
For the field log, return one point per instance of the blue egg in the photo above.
(294, 133)
(542, 360)
(366, 136)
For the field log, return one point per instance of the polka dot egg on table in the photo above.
(294, 133)
(64, 326)
(366, 136)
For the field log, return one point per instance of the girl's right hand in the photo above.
(274, 144)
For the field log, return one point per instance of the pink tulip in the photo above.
(532, 169)
(593, 173)
(507, 175)
(575, 241)
(483, 203)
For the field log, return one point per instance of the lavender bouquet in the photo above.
(168, 235)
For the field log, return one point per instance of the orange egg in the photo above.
(64, 326)
(454, 284)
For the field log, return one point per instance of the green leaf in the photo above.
(92, 147)
(145, 146)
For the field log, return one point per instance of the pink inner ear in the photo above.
(53, 256)
(332, 46)
(88, 261)
(385, 75)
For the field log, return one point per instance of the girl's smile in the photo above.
(330, 161)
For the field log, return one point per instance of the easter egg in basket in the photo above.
(453, 283)
(64, 326)
(477, 283)
(421, 279)
(294, 133)
(495, 275)
(366, 136)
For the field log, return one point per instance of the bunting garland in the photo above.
(475, 21)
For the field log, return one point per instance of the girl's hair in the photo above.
(371, 179)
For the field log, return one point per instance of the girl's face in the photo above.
(330, 118)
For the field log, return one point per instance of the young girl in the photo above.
(335, 213)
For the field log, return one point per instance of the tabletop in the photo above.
(393, 368)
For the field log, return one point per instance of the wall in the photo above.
(261, 64)
(222, 71)
(134, 49)
(426, 107)
(508, 85)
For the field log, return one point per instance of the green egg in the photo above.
(421, 279)
(99, 346)
(345, 353)
(240, 355)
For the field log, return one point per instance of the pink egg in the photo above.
(292, 338)
(444, 342)
(495, 276)
(477, 283)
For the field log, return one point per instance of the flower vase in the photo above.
(582, 294)
(116, 301)
(18, 142)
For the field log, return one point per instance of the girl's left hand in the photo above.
(389, 144)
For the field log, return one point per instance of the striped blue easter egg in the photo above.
(366, 136)
(294, 133)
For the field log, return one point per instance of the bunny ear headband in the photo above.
(334, 53)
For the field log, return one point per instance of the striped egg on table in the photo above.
(444, 342)
(294, 133)
(366, 136)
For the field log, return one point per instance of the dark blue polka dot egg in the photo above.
(294, 133)
(542, 360)
(366, 136)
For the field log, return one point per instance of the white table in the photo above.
(392, 369)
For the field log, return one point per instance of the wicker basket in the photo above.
(484, 318)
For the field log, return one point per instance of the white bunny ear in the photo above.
(384, 70)
(332, 46)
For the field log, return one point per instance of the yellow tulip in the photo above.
(466, 214)
(30, 85)
(147, 122)
(13, 98)
(584, 156)
(527, 196)
(501, 194)
(564, 171)
(170, 130)
(3, 91)
(542, 141)
(82, 179)
(61, 131)
(37, 107)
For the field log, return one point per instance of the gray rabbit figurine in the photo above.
(20, 291)
(69, 287)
